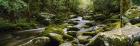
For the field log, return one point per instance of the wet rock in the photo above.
(135, 21)
(39, 41)
(73, 29)
(66, 44)
(89, 33)
(91, 24)
(133, 12)
(72, 33)
(99, 17)
(83, 39)
(68, 37)
(73, 16)
(56, 37)
(88, 17)
(73, 22)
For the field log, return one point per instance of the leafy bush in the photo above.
(106, 6)
(13, 5)
(136, 2)
(21, 24)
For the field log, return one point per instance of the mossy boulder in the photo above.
(133, 12)
(109, 40)
(66, 44)
(56, 37)
(72, 33)
(118, 37)
(59, 29)
(83, 39)
(73, 29)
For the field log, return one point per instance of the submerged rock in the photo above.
(39, 41)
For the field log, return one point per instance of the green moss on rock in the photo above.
(59, 29)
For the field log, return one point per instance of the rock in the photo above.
(133, 12)
(73, 22)
(66, 44)
(108, 40)
(89, 33)
(59, 29)
(135, 21)
(136, 43)
(68, 37)
(72, 33)
(39, 41)
(73, 29)
(91, 24)
(56, 37)
(120, 37)
(73, 16)
(88, 17)
(83, 39)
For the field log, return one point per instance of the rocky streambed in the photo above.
(75, 32)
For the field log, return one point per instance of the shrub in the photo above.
(106, 6)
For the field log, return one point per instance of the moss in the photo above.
(90, 33)
(133, 12)
(136, 43)
(56, 37)
(83, 39)
(115, 40)
(111, 26)
(59, 29)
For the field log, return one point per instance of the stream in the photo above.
(11, 39)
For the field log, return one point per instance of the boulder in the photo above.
(57, 37)
(133, 12)
(120, 37)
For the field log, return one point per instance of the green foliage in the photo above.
(136, 2)
(13, 5)
(56, 6)
(106, 6)
(21, 24)
(5, 25)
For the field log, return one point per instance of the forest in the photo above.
(70, 22)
